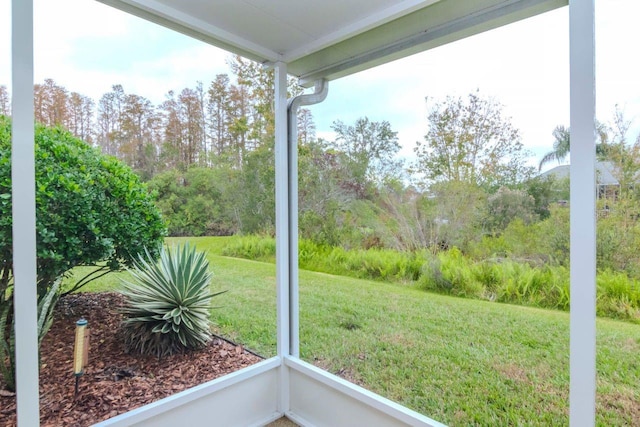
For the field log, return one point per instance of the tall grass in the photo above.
(451, 272)
(256, 248)
(499, 280)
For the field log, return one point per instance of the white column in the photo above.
(24, 213)
(583, 214)
(282, 229)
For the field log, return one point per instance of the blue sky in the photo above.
(87, 47)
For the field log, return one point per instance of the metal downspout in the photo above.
(319, 95)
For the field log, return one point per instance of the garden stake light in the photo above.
(79, 351)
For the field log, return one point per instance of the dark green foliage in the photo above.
(168, 303)
(506, 204)
(255, 197)
(221, 200)
(198, 202)
(618, 237)
(90, 208)
(327, 188)
(544, 192)
(555, 234)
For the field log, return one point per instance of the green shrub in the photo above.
(197, 202)
(168, 303)
(499, 279)
(618, 237)
(91, 209)
(507, 204)
(431, 275)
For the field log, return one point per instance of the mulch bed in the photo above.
(114, 382)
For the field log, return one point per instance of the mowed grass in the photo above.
(462, 362)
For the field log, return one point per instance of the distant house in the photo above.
(607, 186)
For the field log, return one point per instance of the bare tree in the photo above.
(139, 123)
(306, 126)
(192, 116)
(5, 101)
(50, 104)
(109, 132)
(173, 133)
(238, 124)
(80, 116)
(217, 111)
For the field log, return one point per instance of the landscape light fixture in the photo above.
(80, 351)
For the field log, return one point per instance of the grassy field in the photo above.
(462, 362)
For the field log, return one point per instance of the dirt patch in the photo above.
(621, 403)
(399, 339)
(631, 344)
(114, 382)
(512, 372)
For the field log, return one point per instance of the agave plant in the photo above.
(168, 302)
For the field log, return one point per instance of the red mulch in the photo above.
(114, 382)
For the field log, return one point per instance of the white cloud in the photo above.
(145, 58)
(151, 79)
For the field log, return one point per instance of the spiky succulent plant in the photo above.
(168, 303)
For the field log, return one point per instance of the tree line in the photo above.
(200, 125)
(207, 154)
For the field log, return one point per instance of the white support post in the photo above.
(24, 214)
(583, 215)
(282, 229)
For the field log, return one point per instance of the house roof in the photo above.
(604, 173)
(331, 38)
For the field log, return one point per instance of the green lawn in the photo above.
(462, 362)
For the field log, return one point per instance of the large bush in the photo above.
(91, 209)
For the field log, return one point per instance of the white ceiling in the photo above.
(331, 38)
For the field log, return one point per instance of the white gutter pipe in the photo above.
(319, 95)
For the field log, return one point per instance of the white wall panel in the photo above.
(321, 399)
(245, 398)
